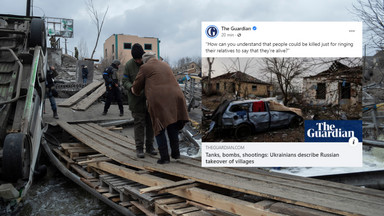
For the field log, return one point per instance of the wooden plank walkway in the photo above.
(80, 94)
(311, 193)
(86, 102)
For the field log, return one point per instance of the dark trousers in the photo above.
(142, 127)
(113, 93)
(52, 100)
(173, 135)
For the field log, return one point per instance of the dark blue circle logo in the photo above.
(212, 31)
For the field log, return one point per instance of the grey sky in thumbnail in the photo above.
(177, 23)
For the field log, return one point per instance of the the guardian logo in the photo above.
(212, 31)
(329, 130)
(332, 131)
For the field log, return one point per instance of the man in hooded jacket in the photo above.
(138, 105)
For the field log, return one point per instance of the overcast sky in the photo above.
(176, 23)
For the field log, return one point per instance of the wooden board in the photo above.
(142, 208)
(317, 194)
(80, 94)
(289, 209)
(210, 198)
(64, 157)
(162, 187)
(88, 101)
(185, 210)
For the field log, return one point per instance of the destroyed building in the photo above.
(190, 69)
(374, 68)
(245, 85)
(340, 86)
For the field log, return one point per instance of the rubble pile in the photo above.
(67, 70)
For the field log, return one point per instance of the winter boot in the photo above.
(55, 114)
(140, 153)
(150, 150)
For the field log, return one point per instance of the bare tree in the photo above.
(210, 72)
(285, 70)
(238, 65)
(372, 14)
(97, 19)
(83, 48)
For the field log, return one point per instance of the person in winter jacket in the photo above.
(51, 92)
(112, 87)
(166, 103)
(138, 105)
(84, 73)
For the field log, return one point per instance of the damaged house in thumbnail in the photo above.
(338, 88)
(244, 85)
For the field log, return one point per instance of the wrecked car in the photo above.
(250, 116)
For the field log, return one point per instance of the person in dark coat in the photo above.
(84, 73)
(166, 103)
(112, 87)
(51, 92)
(142, 125)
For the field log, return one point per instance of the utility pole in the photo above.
(65, 42)
(28, 13)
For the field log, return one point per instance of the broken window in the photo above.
(258, 106)
(345, 90)
(225, 86)
(254, 87)
(217, 86)
(127, 45)
(321, 91)
(240, 107)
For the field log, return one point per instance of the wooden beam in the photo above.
(185, 210)
(88, 101)
(80, 171)
(71, 145)
(289, 209)
(169, 200)
(162, 187)
(64, 157)
(90, 184)
(142, 208)
(210, 198)
(80, 94)
(201, 206)
(101, 159)
(181, 187)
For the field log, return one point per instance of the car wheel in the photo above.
(242, 131)
(16, 157)
(37, 35)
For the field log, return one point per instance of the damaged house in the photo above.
(246, 86)
(339, 86)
